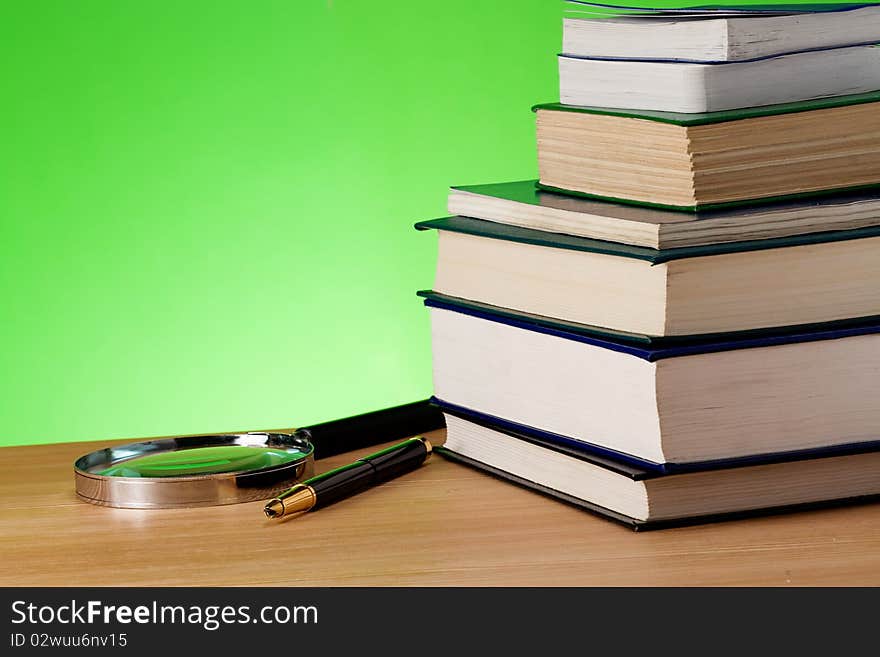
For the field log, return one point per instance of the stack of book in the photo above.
(680, 321)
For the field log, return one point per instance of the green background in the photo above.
(206, 207)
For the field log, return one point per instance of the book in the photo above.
(687, 291)
(645, 499)
(701, 10)
(715, 39)
(521, 203)
(688, 403)
(711, 160)
(679, 321)
(698, 87)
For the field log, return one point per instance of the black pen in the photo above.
(332, 486)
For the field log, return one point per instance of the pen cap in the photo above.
(396, 460)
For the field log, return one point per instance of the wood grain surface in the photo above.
(443, 524)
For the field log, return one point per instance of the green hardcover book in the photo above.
(616, 288)
(712, 160)
(522, 203)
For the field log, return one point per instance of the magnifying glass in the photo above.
(206, 470)
(194, 470)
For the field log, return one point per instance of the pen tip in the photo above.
(274, 509)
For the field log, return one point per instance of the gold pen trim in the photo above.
(299, 499)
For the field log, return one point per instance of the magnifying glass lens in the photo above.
(196, 470)
(203, 461)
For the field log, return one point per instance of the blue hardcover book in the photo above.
(665, 408)
(645, 498)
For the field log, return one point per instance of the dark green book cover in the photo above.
(493, 230)
(530, 192)
(707, 118)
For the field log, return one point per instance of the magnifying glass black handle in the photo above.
(368, 429)
(335, 485)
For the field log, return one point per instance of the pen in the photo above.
(332, 486)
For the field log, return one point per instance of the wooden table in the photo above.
(441, 525)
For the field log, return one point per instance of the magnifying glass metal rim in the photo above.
(191, 490)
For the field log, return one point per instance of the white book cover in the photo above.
(695, 88)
